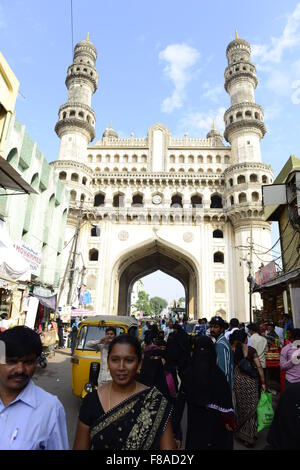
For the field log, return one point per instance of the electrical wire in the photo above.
(72, 28)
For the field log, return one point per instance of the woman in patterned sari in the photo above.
(246, 388)
(124, 414)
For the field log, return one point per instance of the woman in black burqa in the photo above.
(208, 396)
(285, 430)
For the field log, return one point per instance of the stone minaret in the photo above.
(244, 129)
(76, 119)
(244, 120)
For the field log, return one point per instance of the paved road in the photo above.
(57, 379)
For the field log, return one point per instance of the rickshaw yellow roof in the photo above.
(113, 319)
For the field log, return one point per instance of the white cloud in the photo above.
(290, 38)
(213, 93)
(180, 59)
(197, 122)
(296, 94)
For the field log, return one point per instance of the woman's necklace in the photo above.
(122, 397)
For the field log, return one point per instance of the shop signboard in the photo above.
(33, 257)
(266, 273)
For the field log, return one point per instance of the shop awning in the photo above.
(11, 179)
(280, 280)
(12, 264)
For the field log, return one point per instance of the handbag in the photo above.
(247, 367)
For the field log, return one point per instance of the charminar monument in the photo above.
(187, 207)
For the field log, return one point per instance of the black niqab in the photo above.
(204, 382)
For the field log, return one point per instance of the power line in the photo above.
(72, 27)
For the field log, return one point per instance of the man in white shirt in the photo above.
(102, 346)
(30, 418)
(259, 343)
(234, 325)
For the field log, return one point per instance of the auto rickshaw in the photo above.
(90, 330)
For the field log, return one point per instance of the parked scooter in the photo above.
(93, 379)
(42, 361)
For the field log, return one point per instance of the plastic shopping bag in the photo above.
(265, 412)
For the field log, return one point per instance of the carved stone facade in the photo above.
(184, 206)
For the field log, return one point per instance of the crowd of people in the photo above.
(216, 374)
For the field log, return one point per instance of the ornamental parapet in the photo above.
(247, 166)
(245, 124)
(240, 70)
(68, 125)
(82, 75)
(77, 107)
(150, 214)
(107, 143)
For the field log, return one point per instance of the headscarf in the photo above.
(285, 429)
(204, 382)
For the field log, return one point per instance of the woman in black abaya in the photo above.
(208, 396)
(285, 430)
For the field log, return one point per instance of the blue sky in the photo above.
(157, 60)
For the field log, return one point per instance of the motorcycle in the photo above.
(42, 361)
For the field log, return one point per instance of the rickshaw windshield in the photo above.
(90, 336)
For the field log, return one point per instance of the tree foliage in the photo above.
(153, 306)
(157, 305)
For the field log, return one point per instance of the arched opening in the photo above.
(216, 202)
(137, 200)
(12, 157)
(62, 175)
(155, 294)
(218, 234)
(84, 180)
(218, 257)
(241, 179)
(242, 198)
(99, 200)
(181, 159)
(82, 197)
(265, 179)
(232, 200)
(95, 231)
(73, 195)
(255, 197)
(253, 178)
(221, 313)
(146, 259)
(74, 177)
(172, 159)
(176, 201)
(119, 200)
(196, 201)
(93, 254)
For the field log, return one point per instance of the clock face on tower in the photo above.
(156, 199)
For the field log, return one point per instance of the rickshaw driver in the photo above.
(102, 346)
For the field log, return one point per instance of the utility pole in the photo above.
(65, 277)
(249, 278)
(73, 263)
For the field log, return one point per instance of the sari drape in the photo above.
(135, 424)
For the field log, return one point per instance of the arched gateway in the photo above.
(186, 206)
(147, 258)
